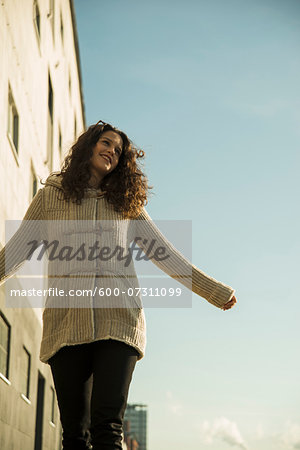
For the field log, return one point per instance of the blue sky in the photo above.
(210, 90)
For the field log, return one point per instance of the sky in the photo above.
(210, 91)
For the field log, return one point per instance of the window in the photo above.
(50, 124)
(51, 17)
(75, 127)
(34, 183)
(59, 141)
(70, 84)
(13, 122)
(50, 98)
(37, 19)
(4, 345)
(25, 372)
(52, 417)
(61, 29)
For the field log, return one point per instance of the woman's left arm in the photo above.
(177, 266)
(14, 253)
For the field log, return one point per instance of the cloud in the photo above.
(173, 405)
(223, 429)
(291, 435)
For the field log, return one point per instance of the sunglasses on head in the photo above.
(100, 122)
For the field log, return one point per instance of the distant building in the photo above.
(41, 113)
(135, 431)
(130, 438)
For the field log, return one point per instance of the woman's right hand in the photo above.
(229, 304)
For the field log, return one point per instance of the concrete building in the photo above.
(136, 426)
(41, 113)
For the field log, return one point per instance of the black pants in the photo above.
(92, 383)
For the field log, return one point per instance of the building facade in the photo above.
(135, 432)
(41, 113)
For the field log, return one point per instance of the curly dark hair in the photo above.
(126, 187)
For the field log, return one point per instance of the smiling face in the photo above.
(106, 154)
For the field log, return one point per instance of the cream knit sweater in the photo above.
(74, 325)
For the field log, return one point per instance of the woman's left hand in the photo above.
(229, 304)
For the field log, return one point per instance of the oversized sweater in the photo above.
(80, 320)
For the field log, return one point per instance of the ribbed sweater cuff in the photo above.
(214, 291)
(223, 294)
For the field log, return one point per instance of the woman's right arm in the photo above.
(13, 254)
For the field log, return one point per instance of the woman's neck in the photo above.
(94, 182)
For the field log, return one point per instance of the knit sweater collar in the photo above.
(55, 178)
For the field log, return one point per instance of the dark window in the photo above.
(37, 18)
(75, 127)
(59, 141)
(39, 415)
(50, 124)
(70, 84)
(4, 345)
(50, 98)
(61, 29)
(52, 418)
(51, 17)
(25, 372)
(13, 121)
(34, 183)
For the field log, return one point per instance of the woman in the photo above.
(92, 343)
